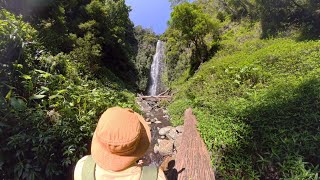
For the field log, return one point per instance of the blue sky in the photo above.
(150, 14)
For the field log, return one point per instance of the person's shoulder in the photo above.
(161, 175)
(78, 168)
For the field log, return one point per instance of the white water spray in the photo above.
(156, 70)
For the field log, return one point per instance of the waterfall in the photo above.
(156, 70)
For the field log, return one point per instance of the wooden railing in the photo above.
(192, 161)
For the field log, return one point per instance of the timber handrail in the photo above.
(192, 159)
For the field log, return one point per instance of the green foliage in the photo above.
(277, 16)
(50, 104)
(62, 25)
(237, 9)
(14, 36)
(177, 54)
(195, 29)
(257, 105)
(146, 48)
(177, 2)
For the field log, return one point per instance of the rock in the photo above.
(163, 131)
(148, 114)
(172, 134)
(165, 147)
(166, 116)
(165, 111)
(156, 149)
(179, 129)
(158, 122)
(153, 120)
(147, 119)
(148, 123)
(162, 137)
(147, 108)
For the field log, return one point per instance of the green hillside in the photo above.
(257, 102)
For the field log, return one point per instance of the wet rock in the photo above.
(165, 147)
(179, 129)
(172, 134)
(163, 131)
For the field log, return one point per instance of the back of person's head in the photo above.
(122, 136)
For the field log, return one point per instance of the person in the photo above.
(120, 139)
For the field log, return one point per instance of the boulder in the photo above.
(165, 147)
(172, 134)
(163, 131)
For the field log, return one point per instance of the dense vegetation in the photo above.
(249, 68)
(63, 64)
(147, 41)
(257, 98)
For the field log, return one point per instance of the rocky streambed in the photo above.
(165, 137)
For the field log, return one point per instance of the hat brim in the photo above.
(114, 162)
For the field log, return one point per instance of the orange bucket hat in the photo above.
(122, 136)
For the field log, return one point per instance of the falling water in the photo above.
(156, 69)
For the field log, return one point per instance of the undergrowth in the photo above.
(257, 103)
(49, 104)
